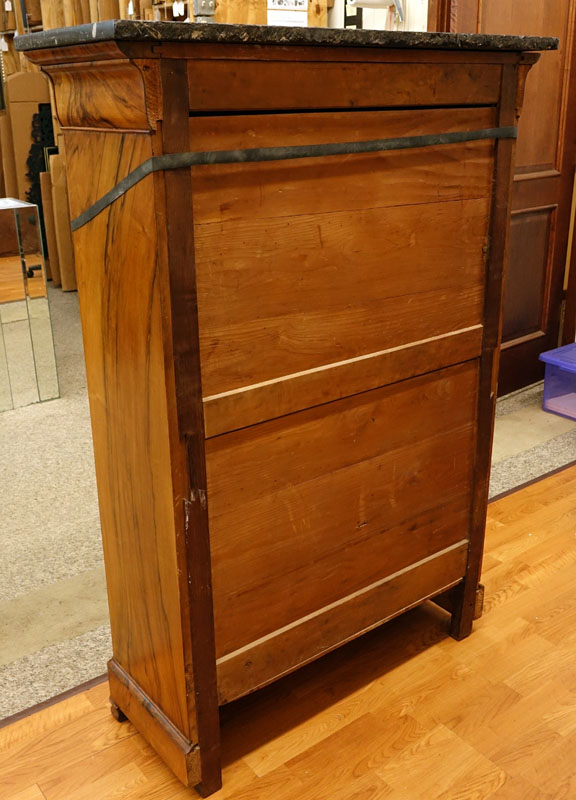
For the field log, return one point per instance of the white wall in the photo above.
(415, 11)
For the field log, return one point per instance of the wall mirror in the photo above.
(28, 371)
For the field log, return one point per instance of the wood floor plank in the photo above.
(516, 788)
(45, 721)
(403, 713)
(30, 793)
(36, 760)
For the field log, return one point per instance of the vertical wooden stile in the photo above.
(188, 385)
(497, 246)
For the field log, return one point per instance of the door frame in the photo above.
(463, 16)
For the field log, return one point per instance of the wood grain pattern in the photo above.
(339, 183)
(108, 9)
(463, 617)
(9, 176)
(126, 377)
(337, 85)
(74, 12)
(318, 13)
(53, 264)
(538, 143)
(188, 405)
(293, 392)
(52, 14)
(525, 301)
(544, 176)
(254, 12)
(118, 103)
(250, 12)
(23, 92)
(13, 286)
(179, 753)
(385, 480)
(266, 310)
(60, 205)
(268, 658)
(396, 276)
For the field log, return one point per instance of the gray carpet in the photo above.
(557, 449)
(53, 614)
(54, 631)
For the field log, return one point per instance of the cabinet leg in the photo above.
(117, 712)
(468, 606)
(210, 784)
(479, 605)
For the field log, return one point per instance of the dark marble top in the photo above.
(139, 31)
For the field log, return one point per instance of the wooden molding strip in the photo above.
(181, 755)
(249, 405)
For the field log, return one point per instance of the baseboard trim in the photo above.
(51, 701)
(532, 481)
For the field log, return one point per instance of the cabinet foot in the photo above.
(479, 604)
(209, 785)
(467, 608)
(117, 712)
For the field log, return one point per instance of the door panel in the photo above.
(530, 233)
(539, 128)
(543, 180)
(538, 238)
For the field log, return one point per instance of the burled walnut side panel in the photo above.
(140, 486)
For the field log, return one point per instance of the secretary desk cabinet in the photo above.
(291, 360)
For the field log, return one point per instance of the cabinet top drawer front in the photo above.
(265, 85)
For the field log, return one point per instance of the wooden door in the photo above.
(543, 180)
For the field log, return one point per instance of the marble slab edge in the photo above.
(141, 31)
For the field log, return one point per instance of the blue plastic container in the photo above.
(560, 381)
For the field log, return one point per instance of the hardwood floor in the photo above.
(11, 281)
(404, 712)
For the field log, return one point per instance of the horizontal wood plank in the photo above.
(355, 284)
(371, 707)
(215, 87)
(338, 183)
(250, 405)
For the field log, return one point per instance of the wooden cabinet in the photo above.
(290, 360)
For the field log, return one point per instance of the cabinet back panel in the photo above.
(307, 509)
(313, 262)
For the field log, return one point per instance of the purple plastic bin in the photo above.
(560, 381)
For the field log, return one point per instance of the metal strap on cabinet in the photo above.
(260, 154)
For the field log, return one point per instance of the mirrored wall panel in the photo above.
(27, 362)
